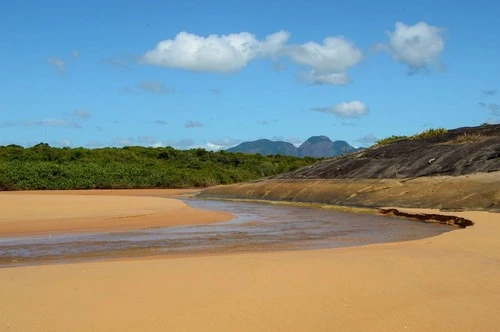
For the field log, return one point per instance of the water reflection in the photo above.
(257, 227)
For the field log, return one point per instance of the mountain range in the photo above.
(315, 146)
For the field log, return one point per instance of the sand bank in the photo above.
(55, 212)
(445, 283)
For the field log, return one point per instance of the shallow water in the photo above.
(257, 227)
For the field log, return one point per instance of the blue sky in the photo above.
(215, 73)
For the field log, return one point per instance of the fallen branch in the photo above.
(430, 217)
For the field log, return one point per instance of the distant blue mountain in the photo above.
(316, 146)
(266, 147)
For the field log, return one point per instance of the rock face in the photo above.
(456, 170)
(458, 152)
(316, 146)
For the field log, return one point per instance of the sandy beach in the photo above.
(445, 283)
(79, 211)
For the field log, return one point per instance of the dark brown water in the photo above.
(257, 227)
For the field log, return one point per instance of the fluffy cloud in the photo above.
(155, 87)
(417, 46)
(352, 109)
(328, 62)
(58, 64)
(325, 63)
(215, 53)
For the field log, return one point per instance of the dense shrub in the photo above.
(424, 134)
(45, 167)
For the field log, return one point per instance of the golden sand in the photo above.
(34, 213)
(450, 282)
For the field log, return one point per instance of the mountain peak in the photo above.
(315, 146)
(318, 139)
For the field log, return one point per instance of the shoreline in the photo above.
(446, 283)
(76, 212)
(441, 283)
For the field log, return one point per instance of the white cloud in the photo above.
(213, 147)
(352, 109)
(328, 62)
(325, 63)
(75, 54)
(335, 55)
(215, 53)
(59, 64)
(155, 87)
(417, 46)
(222, 144)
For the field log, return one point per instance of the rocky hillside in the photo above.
(457, 169)
(456, 152)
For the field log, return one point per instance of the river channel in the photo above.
(256, 227)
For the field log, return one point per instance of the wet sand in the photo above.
(445, 283)
(256, 227)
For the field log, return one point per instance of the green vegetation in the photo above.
(424, 134)
(45, 167)
(392, 139)
(430, 133)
